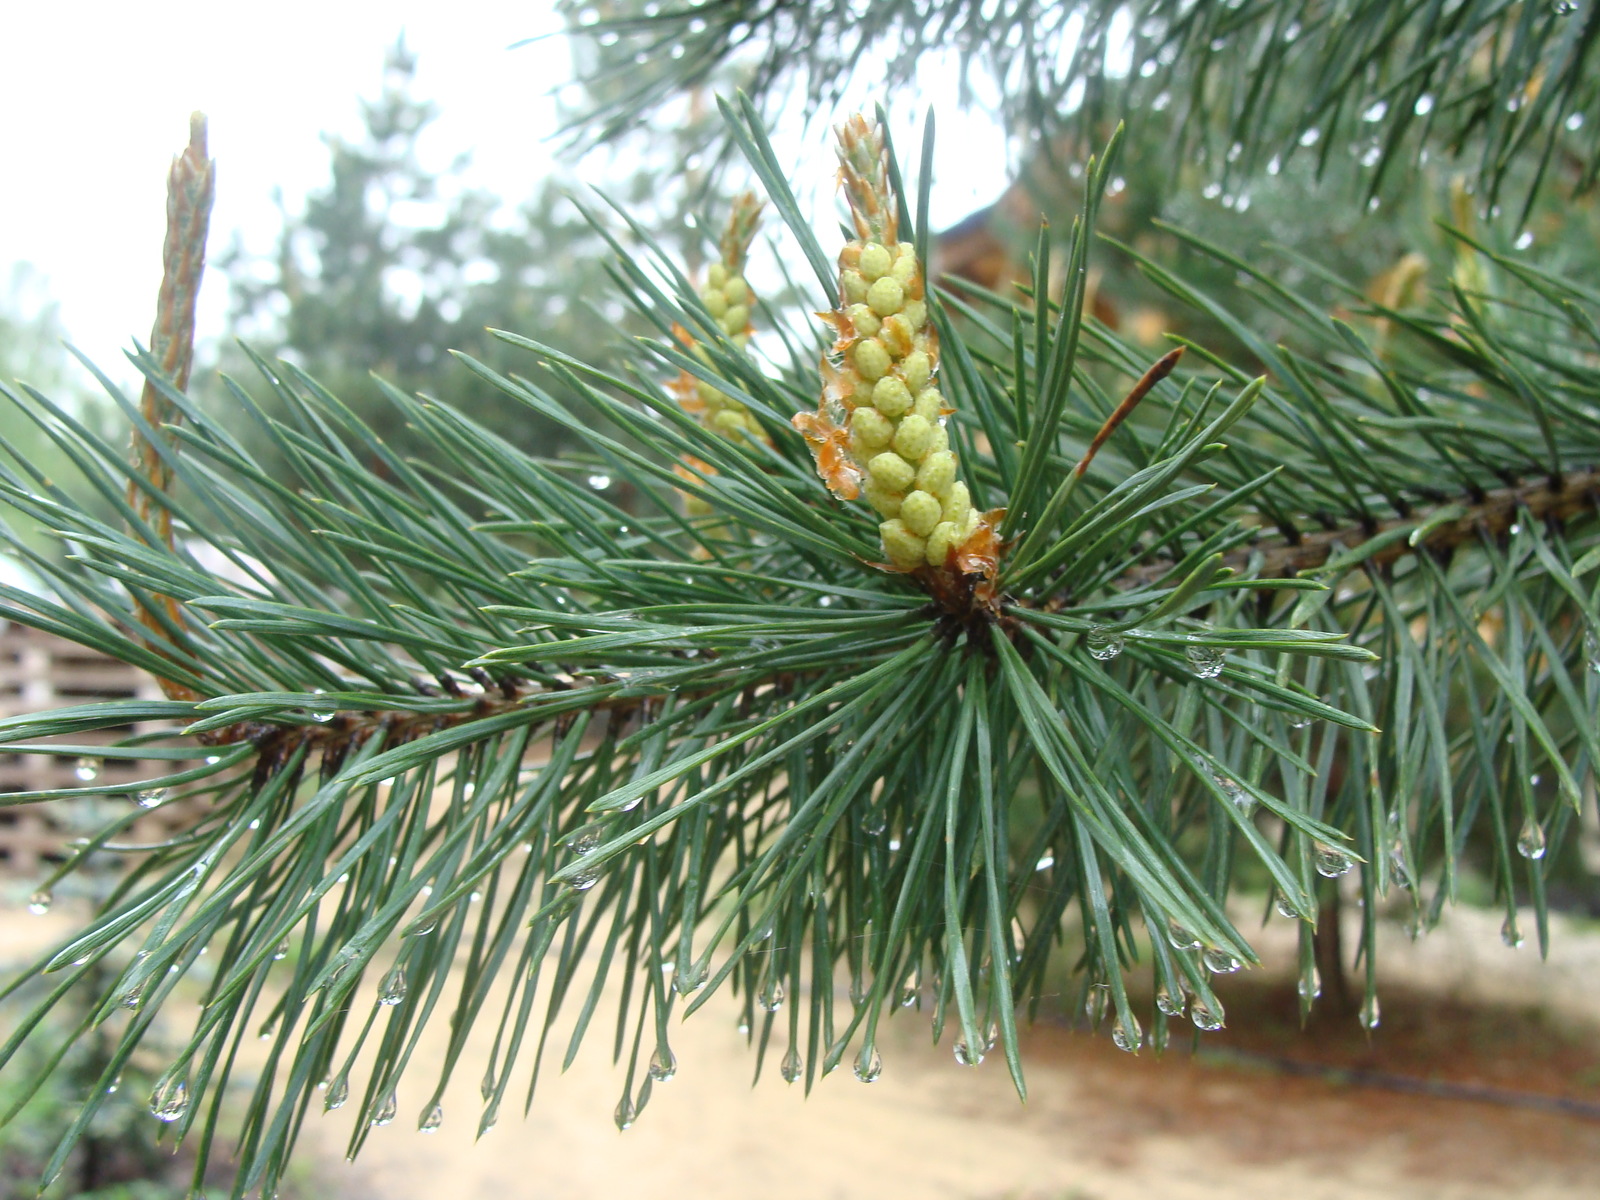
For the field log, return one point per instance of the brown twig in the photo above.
(190, 185)
(1162, 368)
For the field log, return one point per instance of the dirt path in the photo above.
(1097, 1125)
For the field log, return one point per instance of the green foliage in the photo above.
(483, 745)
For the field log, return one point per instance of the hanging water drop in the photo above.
(1530, 842)
(434, 1119)
(1423, 106)
(490, 1118)
(1376, 111)
(1285, 909)
(1330, 861)
(87, 768)
(1371, 155)
(1524, 239)
(792, 1067)
(281, 951)
(1510, 934)
(1575, 122)
(1180, 938)
(1369, 1012)
(1204, 1016)
(1591, 648)
(151, 797)
(1161, 101)
(908, 996)
(1564, 8)
(392, 990)
(584, 878)
(968, 1056)
(1211, 191)
(1103, 644)
(1126, 1034)
(1310, 136)
(1045, 862)
(170, 1099)
(874, 822)
(383, 1113)
(338, 1093)
(486, 1085)
(663, 1064)
(1160, 1034)
(1309, 985)
(1274, 165)
(1219, 961)
(625, 1114)
(1205, 661)
(39, 903)
(134, 996)
(585, 839)
(1167, 1003)
(869, 1065)
(771, 997)
(691, 978)
(1399, 868)
(1095, 1002)
(599, 482)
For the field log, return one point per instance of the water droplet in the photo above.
(1530, 842)
(1423, 106)
(1161, 101)
(39, 903)
(691, 978)
(392, 990)
(1510, 934)
(1310, 984)
(663, 1064)
(1167, 1003)
(1180, 938)
(1104, 644)
(908, 996)
(1310, 136)
(1575, 122)
(434, 1119)
(1274, 165)
(1564, 8)
(1046, 862)
(1399, 868)
(599, 482)
(585, 839)
(1219, 961)
(869, 1065)
(968, 1056)
(383, 1113)
(1211, 191)
(152, 797)
(490, 1118)
(486, 1086)
(1331, 861)
(625, 1113)
(1126, 1034)
(1369, 1012)
(771, 997)
(1285, 909)
(338, 1093)
(87, 768)
(1376, 111)
(1095, 1002)
(793, 1066)
(584, 878)
(134, 996)
(1524, 239)
(281, 950)
(1205, 661)
(1204, 1016)
(170, 1099)
(1371, 155)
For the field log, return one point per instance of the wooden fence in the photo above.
(38, 672)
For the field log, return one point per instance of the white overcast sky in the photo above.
(96, 98)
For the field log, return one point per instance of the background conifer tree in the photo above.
(1040, 635)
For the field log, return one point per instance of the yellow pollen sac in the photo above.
(916, 369)
(716, 303)
(870, 428)
(717, 275)
(905, 263)
(736, 290)
(929, 404)
(914, 438)
(853, 286)
(891, 397)
(872, 359)
(957, 504)
(920, 512)
(940, 442)
(887, 504)
(864, 319)
(886, 296)
(728, 422)
(891, 472)
(735, 319)
(937, 473)
(897, 334)
(904, 548)
(875, 261)
(916, 312)
(941, 540)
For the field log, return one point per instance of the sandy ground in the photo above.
(1097, 1124)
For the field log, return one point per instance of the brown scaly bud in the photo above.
(879, 429)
